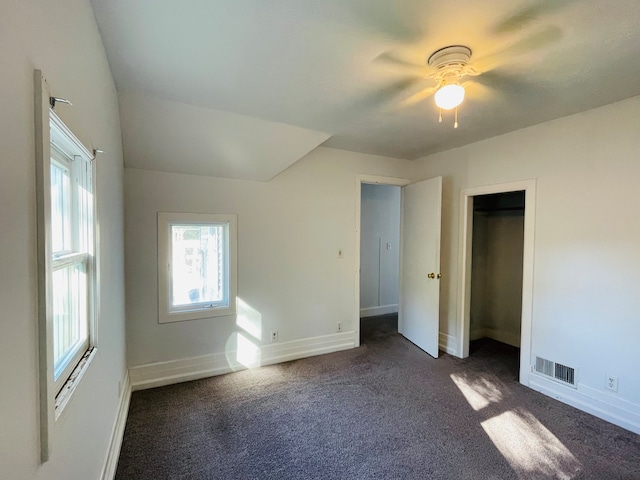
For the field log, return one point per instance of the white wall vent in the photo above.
(556, 371)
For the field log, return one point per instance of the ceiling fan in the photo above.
(448, 66)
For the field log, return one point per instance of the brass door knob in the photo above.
(431, 275)
(439, 275)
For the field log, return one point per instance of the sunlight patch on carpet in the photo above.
(480, 391)
(529, 447)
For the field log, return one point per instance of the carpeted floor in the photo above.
(383, 411)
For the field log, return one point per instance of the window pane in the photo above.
(197, 264)
(69, 313)
(60, 208)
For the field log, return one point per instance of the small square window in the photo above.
(197, 266)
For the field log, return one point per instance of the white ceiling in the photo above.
(160, 134)
(245, 88)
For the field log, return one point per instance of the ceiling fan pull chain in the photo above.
(440, 117)
(455, 125)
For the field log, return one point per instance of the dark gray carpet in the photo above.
(383, 411)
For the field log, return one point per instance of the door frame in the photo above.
(464, 265)
(374, 180)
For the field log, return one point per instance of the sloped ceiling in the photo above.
(170, 136)
(245, 88)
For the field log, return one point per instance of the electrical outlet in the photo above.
(611, 383)
(274, 336)
(339, 327)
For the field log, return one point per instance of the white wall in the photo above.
(587, 241)
(496, 276)
(289, 232)
(379, 263)
(62, 39)
(479, 288)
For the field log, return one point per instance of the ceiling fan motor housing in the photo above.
(448, 57)
(450, 63)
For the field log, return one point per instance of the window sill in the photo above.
(63, 397)
(196, 314)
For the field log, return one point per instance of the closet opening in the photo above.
(495, 311)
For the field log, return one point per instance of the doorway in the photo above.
(380, 210)
(496, 260)
(419, 272)
(362, 181)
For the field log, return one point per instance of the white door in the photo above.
(418, 316)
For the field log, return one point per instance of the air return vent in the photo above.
(556, 371)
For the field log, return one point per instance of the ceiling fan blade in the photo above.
(478, 91)
(528, 15)
(417, 97)
(382, 96)
(502, 82)
(396, 62)
(384, 18)
(501, 57)
(364, 105)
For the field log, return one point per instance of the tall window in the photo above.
(67, 269)
(197, 266)
(67, 266)
(71, 240)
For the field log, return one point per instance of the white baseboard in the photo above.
(476, 334)
(183, 370)
(308, 347)
(111, 462)
(620, 412)
(447, 343)
(502, 336)
(375, 311)
(498, 335)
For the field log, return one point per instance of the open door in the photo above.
(418, 316)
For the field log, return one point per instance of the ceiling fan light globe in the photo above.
(449, 96)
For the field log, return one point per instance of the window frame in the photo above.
(52, 134)
(167, 312)
(79, 252)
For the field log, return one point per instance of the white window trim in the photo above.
(167, 314)
(55, 397)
